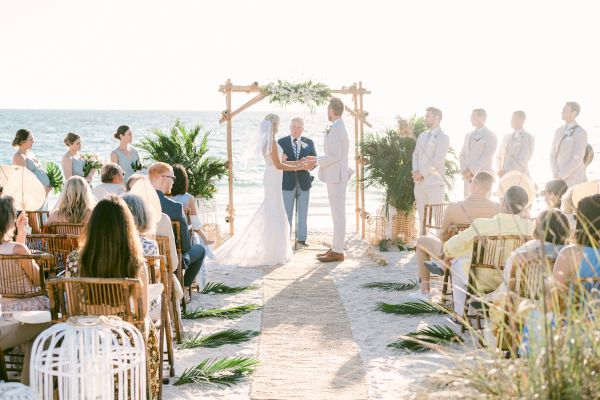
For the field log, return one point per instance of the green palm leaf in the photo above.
(230, 336)
(55, 176)
(392, 286)
(221, 288)
(435, 334)
(180, 146)
(232, 312)
(225, 371)
(410, 308)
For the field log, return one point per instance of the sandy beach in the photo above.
(376, 371)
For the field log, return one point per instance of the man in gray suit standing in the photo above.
(428, 162)
(478, 149)
(516, 149)
(568, 148)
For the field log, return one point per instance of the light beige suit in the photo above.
(478, 152)
(333, 170)
(515, 152)
(566, 156)
(429, 160)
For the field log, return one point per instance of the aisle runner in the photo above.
(306, 347)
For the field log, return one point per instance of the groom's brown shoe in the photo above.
(332, 257)
(324, 254)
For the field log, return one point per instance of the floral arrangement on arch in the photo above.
(311, 94)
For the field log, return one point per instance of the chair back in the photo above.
(37, 220)
(15, 272)
(177, 233)
(59, 246)
(164, 249)
(455, 229)
(432, 217)
(156, 268)
(66, 228)
(527, 277)
(75, 297)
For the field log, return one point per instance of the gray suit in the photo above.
(478, 152)
(566, 156)
(515, 152)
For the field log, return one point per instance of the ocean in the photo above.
(96, 128)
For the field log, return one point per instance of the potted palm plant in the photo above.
(388, 165)
(188, 147)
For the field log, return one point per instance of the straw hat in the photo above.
(144, 189)
(517, 178)
(584, 190)
(23, 186)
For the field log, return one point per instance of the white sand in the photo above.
(389, 373)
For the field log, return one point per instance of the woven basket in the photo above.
(213, 234)
(403, 227)
(376, 227)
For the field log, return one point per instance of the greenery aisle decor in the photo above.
(224, 371)
(311, 94)
(232, 312)
(410, 308)
(392, 286)
(424, 339)
(221, 288)
(55, 176)
(230, 336)
(188, 147)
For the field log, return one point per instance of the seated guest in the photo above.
(27, 272)
(132, 180)
(581, 260)
(111, 249)
(179, 193)
(549, 237)
(477, 205)
(162, 179)
(112, 182)
(75, 203)
(553, 193)
(508, 222)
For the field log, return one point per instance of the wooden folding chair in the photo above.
(158, 273)
(489, 254)
(66, 228)
(16, 284)
(121, 297)
(164, 249)
(447, 301)
(37, 220)
(59, 246)
(432, 217)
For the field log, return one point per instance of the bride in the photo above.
(265, 240)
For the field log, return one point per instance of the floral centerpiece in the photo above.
(91, 162)
(311, 94)
(54, 176)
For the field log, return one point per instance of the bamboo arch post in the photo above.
(359, 162)
(357, 113)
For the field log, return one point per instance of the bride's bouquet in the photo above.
(92, 162)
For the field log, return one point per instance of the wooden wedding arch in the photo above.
(357, 91)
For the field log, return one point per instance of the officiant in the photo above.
(296, 184)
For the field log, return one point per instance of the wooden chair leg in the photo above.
(3, 373)
(174, 314)
(167, 331)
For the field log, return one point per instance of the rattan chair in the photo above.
(158, 273)
(59, 246)
(16, 284)
(432, 217)
(489, 253)
(66, 228)
(37, 220)
(164, 249)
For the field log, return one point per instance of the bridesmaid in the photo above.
(72, 162)
(24, 157)
(125, 155)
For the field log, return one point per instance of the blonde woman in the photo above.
(72, 162)
(75, 203)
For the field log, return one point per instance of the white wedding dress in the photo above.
(265, 240)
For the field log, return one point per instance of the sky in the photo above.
(456, 55)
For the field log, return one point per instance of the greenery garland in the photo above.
(311, 94)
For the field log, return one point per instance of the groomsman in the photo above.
(428, 162)
(568, 148)
(516, 149)
(478, 149)
(296, 184)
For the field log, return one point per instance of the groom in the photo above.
(333, 170)
(296, 184)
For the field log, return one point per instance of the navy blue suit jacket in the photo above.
(175, 211)
(302, 177)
